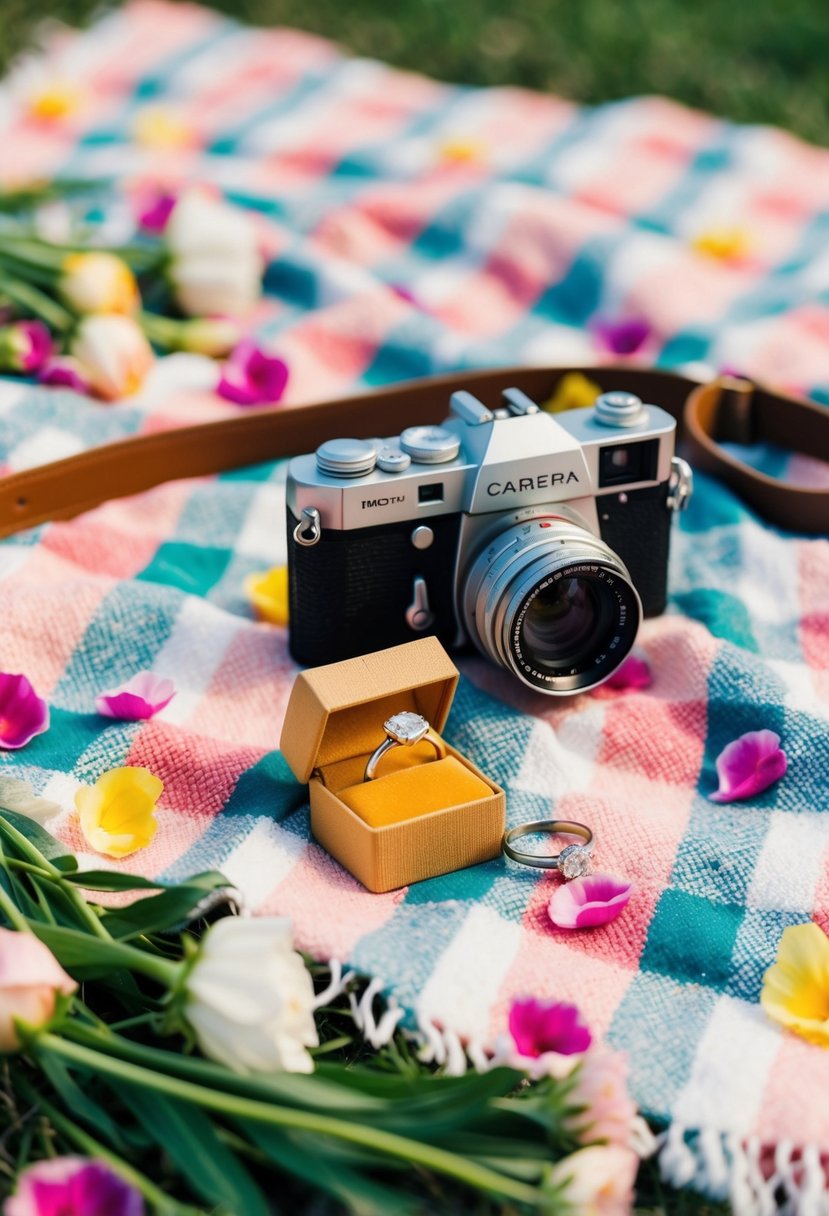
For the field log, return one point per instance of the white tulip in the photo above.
(216, 285)
(216, 266)
(114, 354)
(250, 999)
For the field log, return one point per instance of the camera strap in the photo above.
(727, 410)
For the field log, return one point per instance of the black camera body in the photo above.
(539, 539)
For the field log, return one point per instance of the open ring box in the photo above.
(420, 816)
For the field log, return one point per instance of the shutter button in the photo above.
(419, 615)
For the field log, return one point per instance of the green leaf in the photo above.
(81, 1106)
(187, 1135)
(31, 842)
(87, 957)
(162, 913)
(116, 880)
(305, 1156)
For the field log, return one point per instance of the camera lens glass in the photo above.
(551, 602)
(563, 621)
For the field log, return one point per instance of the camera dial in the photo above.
(430, 444)
(346, 457)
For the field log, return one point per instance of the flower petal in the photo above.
(749, 765)
(268, 593)
(140, 697)
(538, 1027)
(594, 899)
(624, 336)
(633, 673)
(573, 392)
(73, 1185)
(796, 987)
(117, 812)
(23, 714)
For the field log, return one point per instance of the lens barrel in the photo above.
(552, 603)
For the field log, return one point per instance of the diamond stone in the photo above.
(406, 727)
(574, 861)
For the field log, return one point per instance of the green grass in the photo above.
(767, 61)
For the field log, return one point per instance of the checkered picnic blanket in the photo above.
(513, 221)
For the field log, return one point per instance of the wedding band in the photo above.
(571, 862)
(403, 730)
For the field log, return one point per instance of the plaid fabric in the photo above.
(514, 220)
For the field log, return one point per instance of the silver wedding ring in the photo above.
(403, 730)
(571, 862)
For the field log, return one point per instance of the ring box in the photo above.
(420, 816)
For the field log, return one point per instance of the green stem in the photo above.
(41, 866)
(30, 298)
(412, 1151)
(93, 1148)
(111, 951)
(15, 916)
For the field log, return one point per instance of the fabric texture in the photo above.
(415, 228)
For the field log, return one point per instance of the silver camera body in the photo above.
(541, 540)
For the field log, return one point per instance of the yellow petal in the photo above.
(268, 593)
(161, 129)
(57, 101)
(796, 988)
(462, 151)
(117, 813)
(727, 244)
(573, 392)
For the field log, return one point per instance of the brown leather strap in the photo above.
(725, 409)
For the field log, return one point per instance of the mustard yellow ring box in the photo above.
(422, 814)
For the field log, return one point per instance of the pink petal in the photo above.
(591, 900)
(155, 212)
(40, 345)
(142, 696)
(63, 373)
(251, 376)
(73, 1186)
(25, 962)
(23, 714)
(623, 337)
(749, 765)
(538, 1027)
(634, 672)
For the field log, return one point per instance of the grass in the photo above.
(764, 62)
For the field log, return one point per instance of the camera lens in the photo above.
(551, 602)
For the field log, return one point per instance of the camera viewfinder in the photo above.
(622, 463)
(432, 492)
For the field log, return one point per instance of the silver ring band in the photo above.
(572, 861)
(403, 730)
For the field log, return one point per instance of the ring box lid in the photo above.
(338, 710)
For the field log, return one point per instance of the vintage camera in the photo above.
(540, 540)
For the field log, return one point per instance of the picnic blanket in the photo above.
(414, 228)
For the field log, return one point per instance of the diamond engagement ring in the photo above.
(571, 862)
(403, 730)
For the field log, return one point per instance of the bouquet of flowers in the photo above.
(164, 1053)
(81, 314)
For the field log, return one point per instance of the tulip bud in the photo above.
(98, 282)
(250, 999)
(114, 354)
(24, 346)
(30, 980)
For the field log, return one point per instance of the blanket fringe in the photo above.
(789, 1180)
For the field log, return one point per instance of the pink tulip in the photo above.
(631, 674)
(30, 980)
(598, 1180)
(142, 696)
(64, 372)
(73, 1186)
(23, 714)
(24, 346)
(591, 900)
(538, 1027)
(749, 765)
(252, 377)
(600, 1107)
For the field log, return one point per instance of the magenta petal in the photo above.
(538, 1027)
(141, 697)
(591, 900)
(154, 214)
(251, 376)
(23, 714)
(63, 373)
(622, 337)
(40, 345)
(634, 672)
(73, 1186)
(749, 765)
